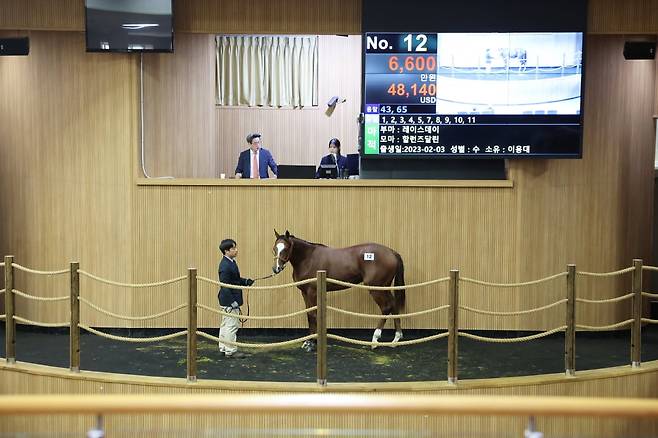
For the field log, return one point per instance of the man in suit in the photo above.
(230, 299)
(253, 162)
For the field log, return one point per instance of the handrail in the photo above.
(330, 403)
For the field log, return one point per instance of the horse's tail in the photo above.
(399, 281)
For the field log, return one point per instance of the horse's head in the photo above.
(282, 249)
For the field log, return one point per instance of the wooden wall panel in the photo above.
(301, 136)
(593, 212)
(605, 199)
(68, 131)
(623, 17)
(43, 14)
(328, 17)
(196, 219)
(182, 86)
(269, 16)
(24, 379)
(179, 118)
(71, 181)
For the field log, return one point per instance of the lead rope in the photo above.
(243, 321)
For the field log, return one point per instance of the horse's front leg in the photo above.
(377, 334)
(310, 300)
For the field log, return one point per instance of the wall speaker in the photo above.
(14, 46)
(639, 50)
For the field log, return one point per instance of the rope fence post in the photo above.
(453, 323)
(191, 325)
(570, 332)
(321, 315)
(74, 327)
(10, 324)
(636, 330)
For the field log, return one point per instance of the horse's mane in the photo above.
(306, 241)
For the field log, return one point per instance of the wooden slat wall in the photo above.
(294, 16)
(69, 158)
(43, 14)
(208, 144)
(643, 385)
(590, 211)
(68, 145)
(269, 16)
(623, 17)
(593, 211)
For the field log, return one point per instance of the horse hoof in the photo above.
(308, 346)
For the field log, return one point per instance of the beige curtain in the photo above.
(278, 71)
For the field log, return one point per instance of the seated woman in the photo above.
(334, 158)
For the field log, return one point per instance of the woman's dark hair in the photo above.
(336, 143)
(226, 245)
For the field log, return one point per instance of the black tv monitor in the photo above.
(328, 171)
(129, 25)
(478, 79)
(353, 164)
(291, 171)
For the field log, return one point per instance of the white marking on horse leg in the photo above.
(375, 337)
(398, 336)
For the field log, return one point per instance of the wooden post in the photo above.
(570, 333)
(321, 316)
(453, 325)
(191, 325)
(10, 324)
(636, 328)
(74, 329)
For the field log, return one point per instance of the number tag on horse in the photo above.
(368, 256)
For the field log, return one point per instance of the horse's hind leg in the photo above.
(398, 329)
(385, 301)
(310, 300)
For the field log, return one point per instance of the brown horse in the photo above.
(370, 263)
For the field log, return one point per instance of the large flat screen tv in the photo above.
(498, 79)
(129, 25)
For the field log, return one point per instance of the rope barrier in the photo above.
(124, 339)
(249, 345)
(526, 283)
(34, 271)
(520, 312)
(649, 268)
(401, 315)
(2, 291)
(511, 340)
(288, 315)
(41, 324)
(387, 344)
(609, 300)
(604, 327)
(3, 316)
(32, 297)
(131, 318)
(605, 274)
(407, 286)
(116, 283)
(233, 286)
(650, 321)
(644, 294)
(2, 264)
